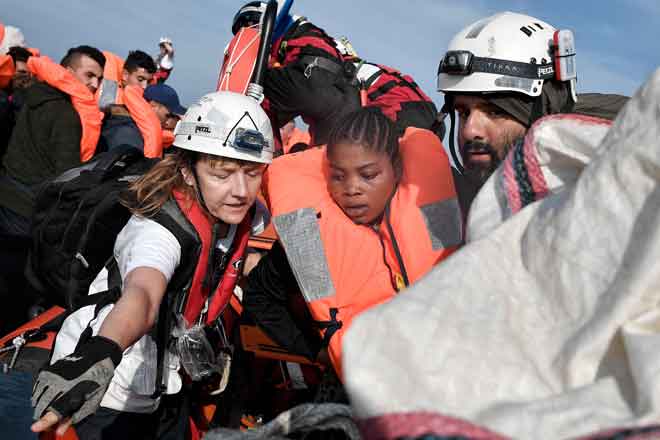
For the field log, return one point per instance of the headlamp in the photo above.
(251, 140)
(463, 62)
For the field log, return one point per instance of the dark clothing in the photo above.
(272, 297)
(298, 88)
(168, 422)
(320, 99)
(45, 142)
(6, 122)
(556, 98)
(315, 81)
(119, 129)
(15, 407)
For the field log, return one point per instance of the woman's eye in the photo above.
(221, 176)
(496, 113)
(369, 176)
(254, 174)
(463, 114)
(336, 177)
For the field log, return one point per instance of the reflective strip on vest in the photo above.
(300, 235)
(444, 223)
(366, 71)
(108, 94)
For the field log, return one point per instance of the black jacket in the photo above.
(45, 142)
(273, 300)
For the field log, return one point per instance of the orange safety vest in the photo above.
(343, 268)
(132, 97)
(81, 98)
(7, 70)
(200, 290)
(297, 136)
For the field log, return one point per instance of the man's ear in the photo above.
(124, 75)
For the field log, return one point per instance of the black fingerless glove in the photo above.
(74, 385)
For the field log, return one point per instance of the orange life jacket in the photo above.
(141, 112)
(343, 268)
(297, 136)
(82, 99)
(7, 70)
(200, 290)
(239, 61)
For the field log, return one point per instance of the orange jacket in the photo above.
(141, 112)
(7, 70)
(82, 99)
(343, 268)
(297, 136)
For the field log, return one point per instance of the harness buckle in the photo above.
(310, 66)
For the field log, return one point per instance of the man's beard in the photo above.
(478, 173)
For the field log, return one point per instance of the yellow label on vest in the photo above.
(398, 282)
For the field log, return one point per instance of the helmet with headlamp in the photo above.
(226, 124)
(507, 52)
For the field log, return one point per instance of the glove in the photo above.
(74, 385)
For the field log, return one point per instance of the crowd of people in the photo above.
(364, 206)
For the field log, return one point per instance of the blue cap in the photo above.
(165, 95)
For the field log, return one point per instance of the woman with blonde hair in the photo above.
(175, 265)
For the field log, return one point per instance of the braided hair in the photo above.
(372, 130)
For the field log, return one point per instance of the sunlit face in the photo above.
(88, 72)
(161, 111)
(22, 76)
(139, 77)
(170, 121)
(229, 188)
(485, 134)
(361, 181)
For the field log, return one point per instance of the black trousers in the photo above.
(168, 422)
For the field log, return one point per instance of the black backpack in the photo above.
(75, 223)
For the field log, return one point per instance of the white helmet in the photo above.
(226, 124)
(502, 53)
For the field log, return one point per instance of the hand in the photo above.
(166, 48)
(72, 388)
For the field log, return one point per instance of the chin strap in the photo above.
(448, 109)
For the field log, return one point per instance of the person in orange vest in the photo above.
(293, 138)
(128, 118)
(176, 263)
(357, 223)
(47, 137)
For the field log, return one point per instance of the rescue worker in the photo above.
(500, 75)
(48, 136)
(321, 79)
(357, 222)
(176, 260)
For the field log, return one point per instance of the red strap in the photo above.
(232, 272)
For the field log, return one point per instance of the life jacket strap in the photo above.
(330, 327)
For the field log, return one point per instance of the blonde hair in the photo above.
(147, 195)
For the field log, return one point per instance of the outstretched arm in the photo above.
(62, 388)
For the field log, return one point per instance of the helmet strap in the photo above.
(448, 108)
(198, 191)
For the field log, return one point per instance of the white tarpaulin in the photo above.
(546, 324)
